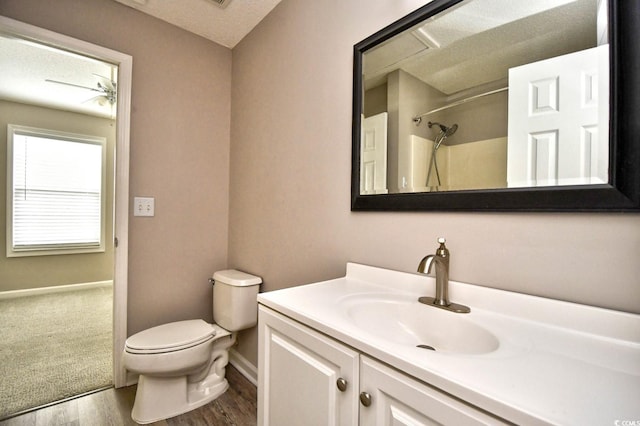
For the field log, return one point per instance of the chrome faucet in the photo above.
(441, 259)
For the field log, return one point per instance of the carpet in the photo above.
(54, 346)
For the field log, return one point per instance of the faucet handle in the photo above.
(442, 251)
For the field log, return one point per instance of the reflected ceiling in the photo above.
(432, 52)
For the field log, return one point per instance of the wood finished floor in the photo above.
(112, 407)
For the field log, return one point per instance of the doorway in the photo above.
(119, 112)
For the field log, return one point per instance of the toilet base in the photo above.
(159, 398)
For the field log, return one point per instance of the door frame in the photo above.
(121, 189)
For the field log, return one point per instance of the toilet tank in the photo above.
(235, 299)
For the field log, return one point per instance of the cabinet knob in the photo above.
(365, 399)
(342, 384)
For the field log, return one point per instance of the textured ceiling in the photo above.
(225, 26)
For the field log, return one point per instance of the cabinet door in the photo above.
(396, 399)
(298, 373)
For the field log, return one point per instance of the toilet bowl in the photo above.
(181, 365)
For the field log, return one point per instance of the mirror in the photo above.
(499, 105)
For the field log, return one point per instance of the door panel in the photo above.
(558, 120)
(373, 155)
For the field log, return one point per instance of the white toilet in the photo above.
(182, 364)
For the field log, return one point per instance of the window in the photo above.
(55, 192)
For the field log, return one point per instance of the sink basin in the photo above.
(403, 320)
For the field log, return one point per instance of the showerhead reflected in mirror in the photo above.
(445, 132)
(542, 94)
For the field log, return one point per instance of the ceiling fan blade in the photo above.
(73, 85)
(106, 82)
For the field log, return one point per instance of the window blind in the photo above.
(57, 192)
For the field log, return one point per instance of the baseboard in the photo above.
(11, 294)
(243, 365)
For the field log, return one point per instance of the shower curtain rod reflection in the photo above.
(418, 118)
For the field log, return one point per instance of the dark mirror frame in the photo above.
(621, 194)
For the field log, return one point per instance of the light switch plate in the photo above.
(143, 206)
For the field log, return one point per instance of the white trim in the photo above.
(121, 218)
(12, 294)
(121, 225)
(243, 365)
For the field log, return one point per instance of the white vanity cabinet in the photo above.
(307, 378)
(299, 371)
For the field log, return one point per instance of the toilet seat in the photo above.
(170, 337)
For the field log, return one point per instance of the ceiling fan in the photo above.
(106, 89)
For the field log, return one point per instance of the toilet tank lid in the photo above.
(236, 278)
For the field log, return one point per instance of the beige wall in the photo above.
(476, 165)
(375, 101)
(290, 170)
(179, 150)
(484, 118)
(17, 273)
(408, 97)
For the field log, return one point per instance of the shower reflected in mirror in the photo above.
(445, 132)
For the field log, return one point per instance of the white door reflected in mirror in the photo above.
(558, 120)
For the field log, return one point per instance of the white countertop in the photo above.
(557, 362)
